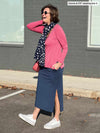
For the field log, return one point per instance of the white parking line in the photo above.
(9, 95)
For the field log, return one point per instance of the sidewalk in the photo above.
(79, 86)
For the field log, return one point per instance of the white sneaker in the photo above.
(28, 118)
(52, 124)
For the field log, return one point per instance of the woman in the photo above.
(50, 53)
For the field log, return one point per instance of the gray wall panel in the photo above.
(79, 62)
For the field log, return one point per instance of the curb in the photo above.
(74, 91)
(78, 86)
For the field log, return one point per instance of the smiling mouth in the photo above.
(44, 17)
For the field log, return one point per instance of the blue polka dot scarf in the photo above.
(40, 51)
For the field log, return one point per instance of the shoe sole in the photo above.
(52, 127)
(26, 120)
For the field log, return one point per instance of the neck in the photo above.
(48, 23)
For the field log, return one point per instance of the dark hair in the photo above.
(53, 13)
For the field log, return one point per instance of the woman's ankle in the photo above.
(56, 117)
(34, 117)
(35, 113)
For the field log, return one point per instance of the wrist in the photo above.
(59, 63)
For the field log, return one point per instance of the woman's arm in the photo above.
(63, 42)
(61, 37)
(36, 26)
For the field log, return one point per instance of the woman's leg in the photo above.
(57, 106)
(35, 113)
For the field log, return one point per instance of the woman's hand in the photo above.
(57, 66)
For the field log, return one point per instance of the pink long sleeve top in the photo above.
(56, 46)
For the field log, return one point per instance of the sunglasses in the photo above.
(45, 12)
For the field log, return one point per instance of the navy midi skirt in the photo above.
(49, 80)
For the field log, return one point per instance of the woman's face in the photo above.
(46, 16)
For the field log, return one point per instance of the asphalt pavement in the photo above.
(80, 115)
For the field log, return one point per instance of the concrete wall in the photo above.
(80, 61)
